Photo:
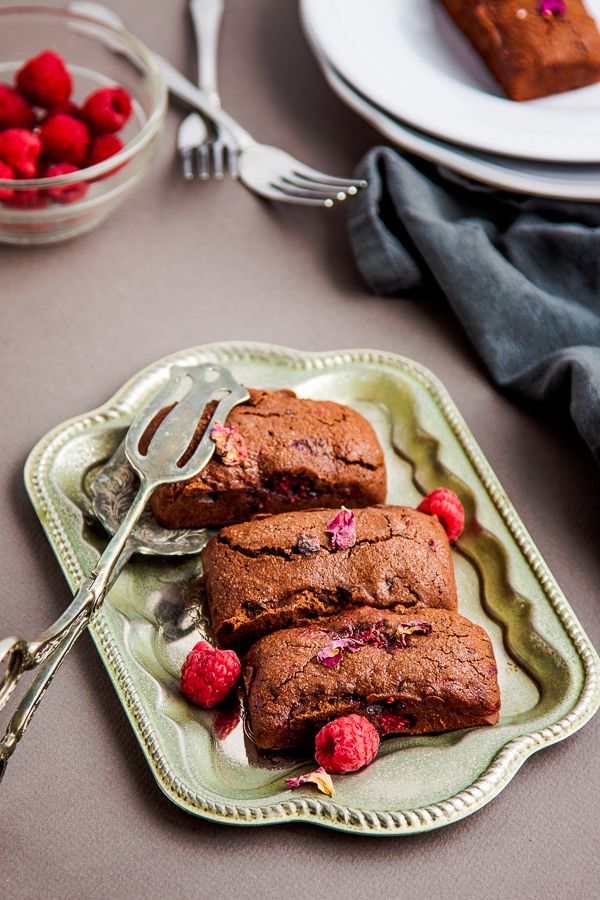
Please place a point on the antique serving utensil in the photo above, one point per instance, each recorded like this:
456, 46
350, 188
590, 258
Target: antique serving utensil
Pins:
174, 453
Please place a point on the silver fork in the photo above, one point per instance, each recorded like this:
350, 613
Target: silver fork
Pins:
268, 171
194, 141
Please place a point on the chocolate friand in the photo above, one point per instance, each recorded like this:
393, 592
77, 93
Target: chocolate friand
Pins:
275, 453
278, 571
407, 673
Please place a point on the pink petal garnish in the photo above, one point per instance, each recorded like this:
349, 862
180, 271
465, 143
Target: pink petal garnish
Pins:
371, 635
320, 777
411, 628
549, 8
343, 529
333, 653
417, 628
230, 444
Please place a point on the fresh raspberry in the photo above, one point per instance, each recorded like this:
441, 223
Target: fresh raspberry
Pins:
68, 107
101, 147
107, 109
209, 675
15, 111
30, 198
446, 505
44, 79
8, 173
20, 149
66, 193
65, 139
346, 744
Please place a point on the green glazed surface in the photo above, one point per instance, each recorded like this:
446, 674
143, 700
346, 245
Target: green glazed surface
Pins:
548, 670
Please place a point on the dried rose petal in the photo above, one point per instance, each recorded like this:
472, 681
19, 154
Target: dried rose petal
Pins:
307, 544
332, 654
230, 444
320, 777
549, 8
417, 628
411, 628
343, 529
371, 635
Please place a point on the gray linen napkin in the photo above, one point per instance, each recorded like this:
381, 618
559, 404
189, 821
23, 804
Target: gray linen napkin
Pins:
521, 274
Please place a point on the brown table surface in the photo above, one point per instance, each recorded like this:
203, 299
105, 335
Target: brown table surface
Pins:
80, 815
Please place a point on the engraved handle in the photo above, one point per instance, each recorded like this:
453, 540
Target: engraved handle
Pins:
51, 648
14, 660
38, 687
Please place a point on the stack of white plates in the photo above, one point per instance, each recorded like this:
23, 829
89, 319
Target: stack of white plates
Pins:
406, 69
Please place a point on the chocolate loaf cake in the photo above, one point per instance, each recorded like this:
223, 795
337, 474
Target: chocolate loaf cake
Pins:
427, 671
532, 47
288, 453
284, 570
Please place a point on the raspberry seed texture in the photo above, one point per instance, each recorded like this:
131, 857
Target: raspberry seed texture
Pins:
446, 505
209, 675
346, 744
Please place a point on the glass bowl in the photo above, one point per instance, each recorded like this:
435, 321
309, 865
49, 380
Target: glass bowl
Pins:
96, 56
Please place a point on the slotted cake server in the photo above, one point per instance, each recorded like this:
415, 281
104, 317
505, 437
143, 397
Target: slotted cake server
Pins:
173, 454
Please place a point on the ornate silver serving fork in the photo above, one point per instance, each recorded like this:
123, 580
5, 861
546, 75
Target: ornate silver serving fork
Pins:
172, 455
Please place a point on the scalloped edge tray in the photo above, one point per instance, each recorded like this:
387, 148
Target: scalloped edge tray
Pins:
309, 807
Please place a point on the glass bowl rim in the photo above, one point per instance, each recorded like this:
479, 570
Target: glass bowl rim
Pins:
158, 93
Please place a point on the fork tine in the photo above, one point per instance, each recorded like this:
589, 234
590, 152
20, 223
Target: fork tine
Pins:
294, 195
231, 156
203, 158
187, 168
314, 175
350, 190
315, 187
311, 190
217, 158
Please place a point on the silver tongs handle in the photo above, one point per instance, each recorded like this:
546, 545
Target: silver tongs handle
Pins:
53, 645
38, 687
18, 655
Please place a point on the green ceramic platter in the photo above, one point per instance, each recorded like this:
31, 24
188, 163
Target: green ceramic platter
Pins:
205, 761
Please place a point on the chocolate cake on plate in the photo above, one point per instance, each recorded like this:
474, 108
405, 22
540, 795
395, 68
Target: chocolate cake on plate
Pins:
278, 452
420, 672
278, 571
532, 47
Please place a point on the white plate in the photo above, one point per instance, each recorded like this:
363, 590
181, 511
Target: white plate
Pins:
407, 57
538, 179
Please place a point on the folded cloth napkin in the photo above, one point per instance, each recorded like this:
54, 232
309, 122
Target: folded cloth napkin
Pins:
521, 274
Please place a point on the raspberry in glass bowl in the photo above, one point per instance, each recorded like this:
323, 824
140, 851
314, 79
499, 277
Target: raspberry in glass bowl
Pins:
81, 109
